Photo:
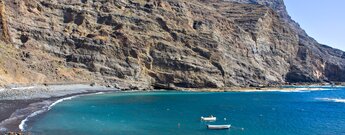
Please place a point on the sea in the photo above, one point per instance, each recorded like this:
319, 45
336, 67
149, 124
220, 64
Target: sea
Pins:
302, 112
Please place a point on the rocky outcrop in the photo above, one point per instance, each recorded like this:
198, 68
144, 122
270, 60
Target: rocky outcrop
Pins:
313, 59
169, 44
4, 34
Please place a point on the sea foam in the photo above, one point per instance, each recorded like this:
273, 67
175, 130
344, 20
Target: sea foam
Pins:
22, 123
277, 91
47, 108
338, 100
23, 88
44, 109
59, 101
302, 90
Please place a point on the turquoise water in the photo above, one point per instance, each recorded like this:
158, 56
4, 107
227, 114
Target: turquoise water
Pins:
178, 113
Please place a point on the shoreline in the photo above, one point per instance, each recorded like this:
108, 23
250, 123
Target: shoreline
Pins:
286, 88
49, 105
17, 104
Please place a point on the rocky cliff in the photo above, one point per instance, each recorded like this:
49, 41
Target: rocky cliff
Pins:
143, 44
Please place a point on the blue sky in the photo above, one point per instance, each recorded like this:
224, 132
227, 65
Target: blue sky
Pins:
323, 20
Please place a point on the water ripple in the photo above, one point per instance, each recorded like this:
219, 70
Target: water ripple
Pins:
338, 100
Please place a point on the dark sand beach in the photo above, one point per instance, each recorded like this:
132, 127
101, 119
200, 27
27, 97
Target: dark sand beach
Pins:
18, 103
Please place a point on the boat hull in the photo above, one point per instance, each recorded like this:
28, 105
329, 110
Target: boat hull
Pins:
218, 127
208, 118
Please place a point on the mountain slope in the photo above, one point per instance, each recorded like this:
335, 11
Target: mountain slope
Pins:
164, 43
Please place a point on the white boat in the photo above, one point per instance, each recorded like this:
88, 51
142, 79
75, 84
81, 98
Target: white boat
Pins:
210, 118
218, 127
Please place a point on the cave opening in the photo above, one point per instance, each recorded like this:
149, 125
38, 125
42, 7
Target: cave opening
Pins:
24, 38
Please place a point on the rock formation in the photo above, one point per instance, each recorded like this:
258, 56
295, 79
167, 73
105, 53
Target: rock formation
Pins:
143, 44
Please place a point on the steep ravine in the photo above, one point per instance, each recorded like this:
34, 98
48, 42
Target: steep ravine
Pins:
143, 44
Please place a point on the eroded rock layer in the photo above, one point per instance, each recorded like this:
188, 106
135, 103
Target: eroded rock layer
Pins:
143, 44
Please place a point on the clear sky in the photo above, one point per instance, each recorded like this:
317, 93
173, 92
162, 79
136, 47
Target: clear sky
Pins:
324, 20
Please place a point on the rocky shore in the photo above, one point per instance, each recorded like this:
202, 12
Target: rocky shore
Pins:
17, 103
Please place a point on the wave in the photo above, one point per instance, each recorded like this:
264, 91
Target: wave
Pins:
276, 91
292, 90
59, 101
44, 109
48, 107
338, 100
22, 123
23, 88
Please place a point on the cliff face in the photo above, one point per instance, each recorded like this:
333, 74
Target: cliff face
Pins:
161, 44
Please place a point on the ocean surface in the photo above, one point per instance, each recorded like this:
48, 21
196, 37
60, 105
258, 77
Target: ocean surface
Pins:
178, 113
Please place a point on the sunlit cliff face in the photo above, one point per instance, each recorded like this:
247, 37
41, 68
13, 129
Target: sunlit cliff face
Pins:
162, 44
